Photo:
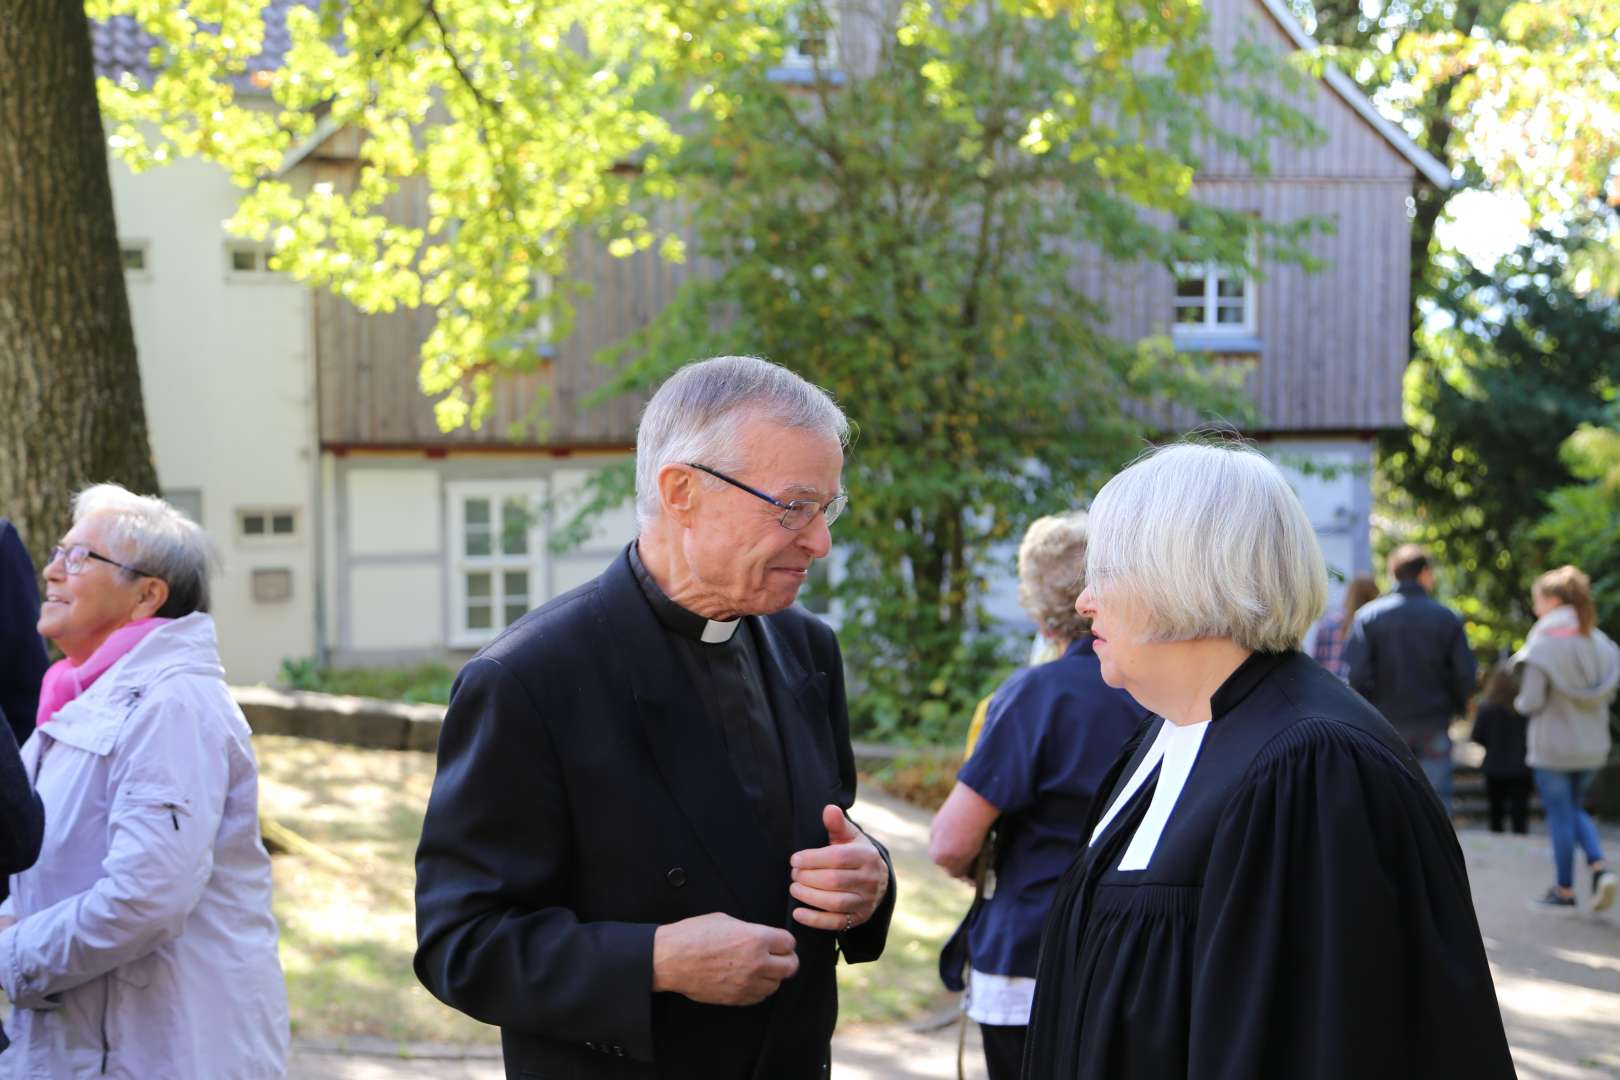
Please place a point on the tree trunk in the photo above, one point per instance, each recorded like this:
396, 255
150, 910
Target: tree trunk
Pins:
70, 391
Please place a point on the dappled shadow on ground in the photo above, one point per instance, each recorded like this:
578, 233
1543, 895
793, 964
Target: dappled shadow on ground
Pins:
348, 929
1557, 972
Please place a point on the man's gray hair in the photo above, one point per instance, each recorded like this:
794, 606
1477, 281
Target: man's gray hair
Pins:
695, 416
1212, 543
156, 539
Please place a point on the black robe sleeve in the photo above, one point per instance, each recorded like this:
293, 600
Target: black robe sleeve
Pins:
1336, 934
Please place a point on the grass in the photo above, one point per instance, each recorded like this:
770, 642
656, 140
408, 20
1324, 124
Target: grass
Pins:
420, 683
347, 937
348, 934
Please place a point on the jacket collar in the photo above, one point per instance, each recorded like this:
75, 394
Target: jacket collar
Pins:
91, 722
689, 754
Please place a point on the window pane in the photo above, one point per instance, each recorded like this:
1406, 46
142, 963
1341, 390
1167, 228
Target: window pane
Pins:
480, 617
244, 260
476, 512
1228, 315
479, 544
1190, 287
478, 585
134, 258
516, 585
253, 525
514, 527
514, 612
1193, 314
1231, 287
281, 524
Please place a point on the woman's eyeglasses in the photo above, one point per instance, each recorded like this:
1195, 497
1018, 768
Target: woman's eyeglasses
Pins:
74, 557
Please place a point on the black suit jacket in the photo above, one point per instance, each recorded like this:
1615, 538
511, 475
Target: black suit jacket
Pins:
22, 653
582, 800
1408, 654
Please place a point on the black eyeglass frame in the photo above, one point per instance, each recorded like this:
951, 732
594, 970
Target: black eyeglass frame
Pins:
66, 553
832, 509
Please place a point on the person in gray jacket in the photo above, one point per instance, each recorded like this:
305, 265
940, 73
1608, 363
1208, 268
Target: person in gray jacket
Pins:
1409, 656
1569, 671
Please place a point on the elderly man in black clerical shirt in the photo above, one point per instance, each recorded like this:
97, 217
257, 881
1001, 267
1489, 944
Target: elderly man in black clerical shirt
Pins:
636, 860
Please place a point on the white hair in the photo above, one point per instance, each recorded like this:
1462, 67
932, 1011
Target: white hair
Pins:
1212, 543
156, 539
695, 415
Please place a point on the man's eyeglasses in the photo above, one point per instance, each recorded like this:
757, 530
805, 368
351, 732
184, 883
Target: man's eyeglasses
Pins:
796, 514
73, 560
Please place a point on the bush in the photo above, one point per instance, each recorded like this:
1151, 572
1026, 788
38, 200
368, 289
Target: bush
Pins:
921, 777
426, 682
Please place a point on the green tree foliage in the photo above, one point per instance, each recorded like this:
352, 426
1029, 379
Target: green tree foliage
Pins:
1516, 96
904, 230
516, 117
1582, 524
902, 227
1536, 104
1513, 364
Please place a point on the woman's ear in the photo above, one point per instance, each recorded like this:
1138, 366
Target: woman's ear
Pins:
153, 594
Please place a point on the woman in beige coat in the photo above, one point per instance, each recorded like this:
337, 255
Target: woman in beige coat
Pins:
1568, 672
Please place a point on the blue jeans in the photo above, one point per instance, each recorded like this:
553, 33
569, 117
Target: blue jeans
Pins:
1433, 752
1569, 825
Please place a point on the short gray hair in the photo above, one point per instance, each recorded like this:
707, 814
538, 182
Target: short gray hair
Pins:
1052, 574
695, 415
1213, 543
155, 538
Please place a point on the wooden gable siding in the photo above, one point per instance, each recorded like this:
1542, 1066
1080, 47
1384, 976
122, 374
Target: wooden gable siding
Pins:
1334, 343
368, 364
1351, 148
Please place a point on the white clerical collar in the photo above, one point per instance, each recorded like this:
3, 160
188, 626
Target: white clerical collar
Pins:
1174, 751
716, 632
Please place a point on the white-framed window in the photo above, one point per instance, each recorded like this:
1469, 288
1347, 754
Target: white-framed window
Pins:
276, 524
497, 556
1212, 299
539, 335
135, 255
247, 261
811, 32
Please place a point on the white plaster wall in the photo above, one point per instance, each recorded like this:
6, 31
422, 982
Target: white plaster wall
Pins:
393, 511
226, 370
392, 583
396, 606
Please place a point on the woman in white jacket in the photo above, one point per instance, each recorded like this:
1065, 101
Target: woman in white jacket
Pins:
143, 946
1568, 673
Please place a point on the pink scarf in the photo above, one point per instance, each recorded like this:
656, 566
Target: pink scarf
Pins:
64, 681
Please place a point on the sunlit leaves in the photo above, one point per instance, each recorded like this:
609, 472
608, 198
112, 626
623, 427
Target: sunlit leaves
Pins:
509, 120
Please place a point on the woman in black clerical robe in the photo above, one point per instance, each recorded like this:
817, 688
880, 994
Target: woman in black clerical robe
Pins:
1269, 887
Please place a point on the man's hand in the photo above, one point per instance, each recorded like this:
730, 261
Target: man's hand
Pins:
842, 884
719, 960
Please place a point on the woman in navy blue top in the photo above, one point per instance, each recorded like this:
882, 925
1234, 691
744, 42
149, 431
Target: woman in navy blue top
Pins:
1050, 735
